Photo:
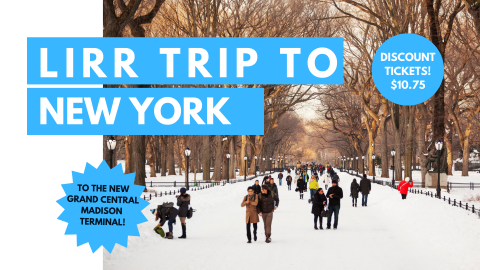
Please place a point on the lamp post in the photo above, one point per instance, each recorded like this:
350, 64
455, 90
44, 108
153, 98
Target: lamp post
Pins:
438, 146
356, 166
245, 174
270, 165
187, 154
263, 165
111, 144
255, 168
393, 163
373, 166
278, 165
363, 164
228, 167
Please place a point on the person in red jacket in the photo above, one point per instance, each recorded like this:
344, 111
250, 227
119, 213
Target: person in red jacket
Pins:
403, 187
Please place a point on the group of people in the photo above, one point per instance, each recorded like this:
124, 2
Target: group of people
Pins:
364, 187
261, 204
167, 212
263, 200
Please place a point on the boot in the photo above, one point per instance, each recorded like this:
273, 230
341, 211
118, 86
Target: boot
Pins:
268, 240
249, 234
184, 231
169, 235
255, 231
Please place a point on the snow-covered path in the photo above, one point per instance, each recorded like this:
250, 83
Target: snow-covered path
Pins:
418, 233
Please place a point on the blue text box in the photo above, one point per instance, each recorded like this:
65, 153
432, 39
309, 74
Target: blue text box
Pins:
150, 66
243, 110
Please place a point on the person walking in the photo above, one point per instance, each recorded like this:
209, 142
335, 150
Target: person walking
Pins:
305, 177
251, 202
334, 195
354, 187
272, 186
256, 187
403, 187
365, 188
266, 179
267, 203
326, 180
301, 186
318, 205
289, 182
280, 177
166, 212
313, 186
183, 201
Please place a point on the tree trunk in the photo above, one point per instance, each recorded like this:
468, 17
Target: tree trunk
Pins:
206, 157
243, 152
448, 145
217, 166
422, 117
397, 131
164, 155
233, 157
138, 159
128, 149
170, 155
384, 148
107, 153
409, 112
225, 145
151, 156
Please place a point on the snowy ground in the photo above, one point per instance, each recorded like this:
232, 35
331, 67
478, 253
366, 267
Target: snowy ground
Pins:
418, 233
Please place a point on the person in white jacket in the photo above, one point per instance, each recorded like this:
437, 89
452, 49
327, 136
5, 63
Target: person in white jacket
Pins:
326, 180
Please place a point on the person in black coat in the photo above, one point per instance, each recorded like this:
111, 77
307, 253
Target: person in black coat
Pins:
301, 186
318, 205
256, 188
354, 187
183, 201
267, 203
289, 182
166, 213
334, 195
365, 188
272, 186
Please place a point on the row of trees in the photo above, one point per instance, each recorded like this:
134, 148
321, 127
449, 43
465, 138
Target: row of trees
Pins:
365, 123
354, 119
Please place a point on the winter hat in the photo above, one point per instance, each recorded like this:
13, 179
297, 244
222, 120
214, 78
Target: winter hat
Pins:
334, 181
183, 190
153, 211
407, 179
364, 176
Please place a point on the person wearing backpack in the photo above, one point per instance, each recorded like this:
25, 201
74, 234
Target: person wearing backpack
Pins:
183, 201
280, 177
267, 203
251, 202
354, 187
318, 205
165, 212
289, 182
